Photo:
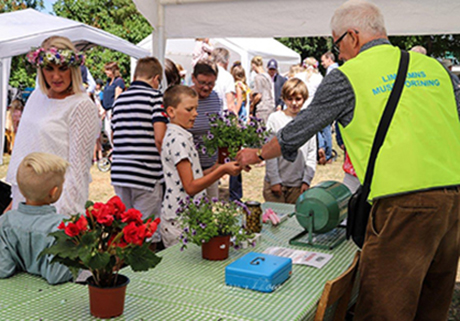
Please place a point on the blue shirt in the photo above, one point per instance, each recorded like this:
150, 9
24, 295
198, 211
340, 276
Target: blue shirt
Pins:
23, 235
109, 92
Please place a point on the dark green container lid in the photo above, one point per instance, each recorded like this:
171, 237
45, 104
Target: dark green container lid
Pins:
327, 202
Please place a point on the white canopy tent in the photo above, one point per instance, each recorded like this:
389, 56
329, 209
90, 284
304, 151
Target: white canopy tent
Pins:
286, 18
242, 49
21, 30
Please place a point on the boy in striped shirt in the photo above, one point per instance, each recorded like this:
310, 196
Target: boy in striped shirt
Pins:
138, 127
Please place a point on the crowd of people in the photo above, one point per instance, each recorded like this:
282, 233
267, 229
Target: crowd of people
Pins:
156, 164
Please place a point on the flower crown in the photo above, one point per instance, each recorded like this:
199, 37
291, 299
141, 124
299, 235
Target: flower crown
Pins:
40, 57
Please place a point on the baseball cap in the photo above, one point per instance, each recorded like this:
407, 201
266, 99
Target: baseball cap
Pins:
272, 64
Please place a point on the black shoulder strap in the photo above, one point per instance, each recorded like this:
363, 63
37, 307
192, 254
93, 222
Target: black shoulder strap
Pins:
386, 118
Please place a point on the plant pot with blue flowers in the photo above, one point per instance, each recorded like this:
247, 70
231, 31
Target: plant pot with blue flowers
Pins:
229, 133
211, 224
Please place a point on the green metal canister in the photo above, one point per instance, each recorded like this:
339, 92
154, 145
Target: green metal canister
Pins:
326, 203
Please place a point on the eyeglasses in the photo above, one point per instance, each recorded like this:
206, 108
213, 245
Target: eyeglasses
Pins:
207, 84
335, 45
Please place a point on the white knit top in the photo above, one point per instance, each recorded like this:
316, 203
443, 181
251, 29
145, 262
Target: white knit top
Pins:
64, 127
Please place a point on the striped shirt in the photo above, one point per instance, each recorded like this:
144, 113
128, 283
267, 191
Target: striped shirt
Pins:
211, 105
136, 161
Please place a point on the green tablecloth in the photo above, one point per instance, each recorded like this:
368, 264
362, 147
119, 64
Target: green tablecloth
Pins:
185, 287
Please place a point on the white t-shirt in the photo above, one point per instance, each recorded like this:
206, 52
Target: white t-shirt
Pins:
224, 84
177, 145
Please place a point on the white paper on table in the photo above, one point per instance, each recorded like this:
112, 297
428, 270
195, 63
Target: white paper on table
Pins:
314, 259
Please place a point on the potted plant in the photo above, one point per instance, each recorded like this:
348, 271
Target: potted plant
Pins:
210, 224
229, 133
103, 240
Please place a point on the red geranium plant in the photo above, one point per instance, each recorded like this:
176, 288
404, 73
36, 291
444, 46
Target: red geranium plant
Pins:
104, 239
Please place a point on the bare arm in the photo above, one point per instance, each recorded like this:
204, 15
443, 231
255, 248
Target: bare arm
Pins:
249, 156
230, 97
159, 128
239, 99
193, 186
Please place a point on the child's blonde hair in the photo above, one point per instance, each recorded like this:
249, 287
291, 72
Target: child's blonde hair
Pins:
293, 87
38, 173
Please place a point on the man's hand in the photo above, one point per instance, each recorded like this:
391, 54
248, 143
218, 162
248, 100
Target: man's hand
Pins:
276, 189
247, 156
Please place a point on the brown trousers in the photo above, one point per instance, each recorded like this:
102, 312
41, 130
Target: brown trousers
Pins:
288, 195
410, 256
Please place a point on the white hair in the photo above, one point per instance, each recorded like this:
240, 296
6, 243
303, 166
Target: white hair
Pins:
360, 15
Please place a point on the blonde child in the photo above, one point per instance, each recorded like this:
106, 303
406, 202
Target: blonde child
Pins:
242, 90
24, 232
284, 180
181, 165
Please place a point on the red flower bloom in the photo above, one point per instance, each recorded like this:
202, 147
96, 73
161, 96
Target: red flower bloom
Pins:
94, 210
121, 243
119, 207
72, 229
132, 215
61, 226
134, 234
82, 223
151, 227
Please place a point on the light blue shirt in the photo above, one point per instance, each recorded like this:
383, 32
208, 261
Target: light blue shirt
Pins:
23, 235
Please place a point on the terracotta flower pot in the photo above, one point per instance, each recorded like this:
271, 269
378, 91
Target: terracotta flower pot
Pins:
222, 154
216, 249
107, 302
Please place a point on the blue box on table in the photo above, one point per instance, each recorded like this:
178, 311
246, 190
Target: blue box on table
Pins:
258, 271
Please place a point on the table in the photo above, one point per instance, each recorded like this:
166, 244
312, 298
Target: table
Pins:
186, 287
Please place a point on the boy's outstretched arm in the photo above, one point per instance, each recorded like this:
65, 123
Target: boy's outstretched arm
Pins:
193, 186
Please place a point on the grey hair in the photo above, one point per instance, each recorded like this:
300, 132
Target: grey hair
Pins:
361, 15
220, 55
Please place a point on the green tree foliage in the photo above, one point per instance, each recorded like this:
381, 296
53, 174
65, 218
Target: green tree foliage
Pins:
14, 5
118, 17
438, 46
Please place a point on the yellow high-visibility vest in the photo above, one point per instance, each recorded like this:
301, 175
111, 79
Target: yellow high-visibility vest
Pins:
422, 146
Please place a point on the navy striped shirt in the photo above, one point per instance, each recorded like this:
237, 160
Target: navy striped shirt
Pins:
136, 161
211, 105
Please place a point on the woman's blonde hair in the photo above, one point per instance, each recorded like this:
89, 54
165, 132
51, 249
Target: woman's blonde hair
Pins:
238, 72
258, 61
75, 72
38, 173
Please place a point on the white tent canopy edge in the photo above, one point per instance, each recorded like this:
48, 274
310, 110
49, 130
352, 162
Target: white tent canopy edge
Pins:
287, 18
242, 49
21, 30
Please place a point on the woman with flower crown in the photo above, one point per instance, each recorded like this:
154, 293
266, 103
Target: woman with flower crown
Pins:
59, 118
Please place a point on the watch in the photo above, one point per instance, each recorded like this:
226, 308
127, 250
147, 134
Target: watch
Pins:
259, 154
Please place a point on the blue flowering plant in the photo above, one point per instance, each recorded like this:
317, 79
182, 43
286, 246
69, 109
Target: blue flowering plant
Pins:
229, 131
202, 219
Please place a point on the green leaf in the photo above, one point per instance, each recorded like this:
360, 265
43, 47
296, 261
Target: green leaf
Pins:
142, 258
99, 260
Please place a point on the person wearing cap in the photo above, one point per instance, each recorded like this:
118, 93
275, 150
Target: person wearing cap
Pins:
278, 82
